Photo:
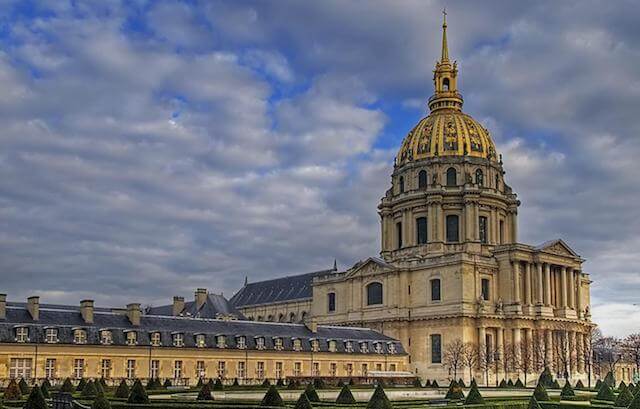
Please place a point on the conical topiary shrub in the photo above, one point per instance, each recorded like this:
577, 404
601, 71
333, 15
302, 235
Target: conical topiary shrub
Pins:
46, 383
605, 392
100, 402
417, 383
434, 384
610, 380
345, 396
280, 383
598, 384
138, 393
624, 398
291, 384
311, 393
235, 383
24, 387
198, 385
461, 383
205, 392
89, 391
303, 402
635, 403
379, 400
81, 384
510, 383
473, 382
540, 393
218, 386
555, 384
518, 383
99, 388
427, 384
503, 384
567, 391
622, 385
579, 384
67, 386
474, 397
272, 398
35, 399
167, 383
318, 383
122, 391
103, 384
12, 392
45, 390
533, 403
546, 378
454, 392
266, 383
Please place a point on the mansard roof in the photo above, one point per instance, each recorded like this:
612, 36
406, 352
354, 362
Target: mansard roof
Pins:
215, 306
291, 288
66, 320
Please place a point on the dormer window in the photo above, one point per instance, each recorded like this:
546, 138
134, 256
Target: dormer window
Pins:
22, 334
221, 341
377, 347
348, 346
364, 347
391, 347
201, 341
79, 336
278, 344
333, 346
106, 337
178, 339
242, 342
315, 345
132, 338
156, 339
260, 343
51, 335
297, 344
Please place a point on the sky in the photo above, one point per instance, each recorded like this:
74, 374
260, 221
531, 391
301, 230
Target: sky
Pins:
149, 148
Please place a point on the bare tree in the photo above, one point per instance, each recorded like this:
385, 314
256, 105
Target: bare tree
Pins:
607, 354
540, 361
510, 359
632, 345
487, 361
453, 356
470, 358
562, 352
591, 337
525, 363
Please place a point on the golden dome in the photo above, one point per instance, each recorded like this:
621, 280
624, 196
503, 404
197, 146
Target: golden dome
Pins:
447, 131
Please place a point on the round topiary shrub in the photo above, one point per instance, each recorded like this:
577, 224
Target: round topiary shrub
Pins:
474, 397
138, 393
345, 397
311, 393
123, 390
272, 398
12, 392
379, 400
35, 399
205, 392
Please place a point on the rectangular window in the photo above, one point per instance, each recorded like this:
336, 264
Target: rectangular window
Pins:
201, 341
221, 341
51, 335
485, 289
297, 344
131, 368
378, 366
316, 369
421, 230
177, 370
452, 228
132, 338
297, 369
501, 231
50, 368
22, 334
156, 339
105, 369
278, 344
333, 369
436, 348
482, 225
260, 370
392, 367
242, 369
315, 345
331, 301
278, 370
349, 369
222, 369
201, 372
260, 343
80, 336
178, 340
154, 371
364, 347
20, 368
78, 368
348, 346
333, 346
106, 337
365, 369
242, 342
435, 289
399, 235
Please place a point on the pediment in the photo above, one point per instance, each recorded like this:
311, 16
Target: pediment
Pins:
370, 266
558, 247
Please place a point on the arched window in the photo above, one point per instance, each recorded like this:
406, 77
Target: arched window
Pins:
292, 317
401, 184
445, 84
479, 177
452, 177
421, 230
331, 302
422, 179
374, 294
435, 289
281, 317
270, 318
452, 229
303, 316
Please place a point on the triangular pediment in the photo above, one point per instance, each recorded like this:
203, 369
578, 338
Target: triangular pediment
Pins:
370, 266
558, 247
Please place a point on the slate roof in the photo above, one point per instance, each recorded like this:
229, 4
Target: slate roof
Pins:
215, 306
291, 288
66, 319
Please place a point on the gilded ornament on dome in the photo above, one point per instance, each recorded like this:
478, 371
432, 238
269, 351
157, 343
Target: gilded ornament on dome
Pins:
450, 137
474, 137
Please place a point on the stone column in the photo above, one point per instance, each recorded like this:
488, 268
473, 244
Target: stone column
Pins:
573, 353
572, 288
468, 218
527, 284
580, 351
530, 346
500, 346
548, 348
495, 239
476, 223
547, 283
440, 222
540, 299
517, 342
516, 281
514, 227
563, 285
579, 291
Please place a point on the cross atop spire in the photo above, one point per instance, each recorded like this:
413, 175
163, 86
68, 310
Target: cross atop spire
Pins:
445, 46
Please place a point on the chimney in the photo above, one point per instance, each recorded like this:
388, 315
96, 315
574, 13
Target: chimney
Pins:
33, 305
178, 305
3, 306
201, 297
133, 313
86, 309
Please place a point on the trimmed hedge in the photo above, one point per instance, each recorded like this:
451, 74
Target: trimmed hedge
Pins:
272, 398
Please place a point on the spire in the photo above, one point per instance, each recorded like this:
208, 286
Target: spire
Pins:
445, 46
335, 264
